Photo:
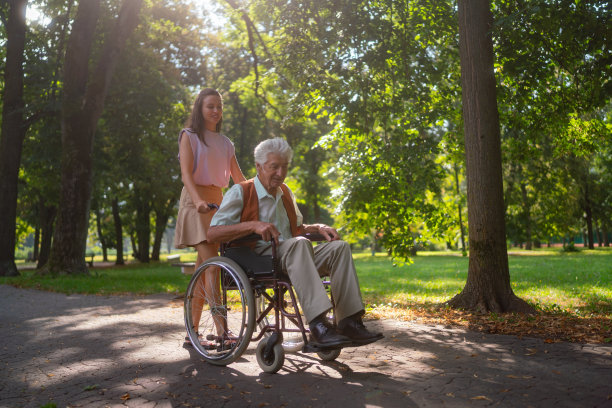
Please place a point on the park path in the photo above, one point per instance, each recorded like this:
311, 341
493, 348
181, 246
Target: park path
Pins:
98, 351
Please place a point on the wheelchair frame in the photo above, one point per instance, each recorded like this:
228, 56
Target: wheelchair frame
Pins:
251, 289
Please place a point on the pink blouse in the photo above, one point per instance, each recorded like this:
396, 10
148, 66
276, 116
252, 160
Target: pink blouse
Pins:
212, 163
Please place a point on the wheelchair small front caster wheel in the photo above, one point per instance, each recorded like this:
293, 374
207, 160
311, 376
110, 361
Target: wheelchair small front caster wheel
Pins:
328, 355
272, 358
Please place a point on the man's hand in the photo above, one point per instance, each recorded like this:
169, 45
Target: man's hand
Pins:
329, 233
267, 231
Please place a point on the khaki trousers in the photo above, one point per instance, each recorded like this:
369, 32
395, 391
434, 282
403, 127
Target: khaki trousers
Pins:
305, 265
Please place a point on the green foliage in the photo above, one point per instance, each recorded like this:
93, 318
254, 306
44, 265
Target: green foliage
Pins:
554, 95
368, 95
570, 247
370, 69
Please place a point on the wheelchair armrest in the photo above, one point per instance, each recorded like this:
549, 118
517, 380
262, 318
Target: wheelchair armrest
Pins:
244, 240
313, 236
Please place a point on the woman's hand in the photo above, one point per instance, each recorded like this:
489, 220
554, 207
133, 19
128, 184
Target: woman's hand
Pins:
204, 207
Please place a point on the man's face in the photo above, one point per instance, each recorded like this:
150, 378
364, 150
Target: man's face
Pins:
273, 172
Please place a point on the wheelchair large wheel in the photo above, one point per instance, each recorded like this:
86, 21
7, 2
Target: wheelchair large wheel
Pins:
219, 311
293, 340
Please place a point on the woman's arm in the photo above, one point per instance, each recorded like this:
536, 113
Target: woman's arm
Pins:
186, 161
237, 175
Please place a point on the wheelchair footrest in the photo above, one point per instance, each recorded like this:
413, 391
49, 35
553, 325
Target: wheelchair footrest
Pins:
312, 347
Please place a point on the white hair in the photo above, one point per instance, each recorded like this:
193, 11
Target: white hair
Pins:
277, 145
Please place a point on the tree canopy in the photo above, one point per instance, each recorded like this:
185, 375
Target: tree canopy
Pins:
367, 92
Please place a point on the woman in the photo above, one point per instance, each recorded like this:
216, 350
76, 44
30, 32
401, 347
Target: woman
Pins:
207, 160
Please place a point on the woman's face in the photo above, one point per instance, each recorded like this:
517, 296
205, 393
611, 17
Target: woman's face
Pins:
212, 110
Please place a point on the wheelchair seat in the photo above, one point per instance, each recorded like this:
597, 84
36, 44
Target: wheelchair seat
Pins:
255, 266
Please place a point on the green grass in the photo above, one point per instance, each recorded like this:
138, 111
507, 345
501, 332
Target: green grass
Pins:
141, 279
579, 282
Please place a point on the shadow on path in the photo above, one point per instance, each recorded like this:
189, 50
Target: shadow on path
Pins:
93, 351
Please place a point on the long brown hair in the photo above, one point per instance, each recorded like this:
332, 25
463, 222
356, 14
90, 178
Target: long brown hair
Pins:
196, 120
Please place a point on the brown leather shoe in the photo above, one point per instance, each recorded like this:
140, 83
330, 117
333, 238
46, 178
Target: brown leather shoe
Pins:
325, 335
354, 329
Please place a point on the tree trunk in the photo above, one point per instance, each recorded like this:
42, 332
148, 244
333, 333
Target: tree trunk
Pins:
526, 216
135, 254
36, 251
143, 226
161, 221
47, 219
599, 237
101, 235
460, 210
82, 106
13, 133
118, 232
488, 283
588, 211
162, 215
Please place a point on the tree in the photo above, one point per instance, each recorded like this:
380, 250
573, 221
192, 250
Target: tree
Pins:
554, 70
488, 283
83, 101
13, 132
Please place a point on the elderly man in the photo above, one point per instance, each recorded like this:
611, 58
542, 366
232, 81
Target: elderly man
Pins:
265, 206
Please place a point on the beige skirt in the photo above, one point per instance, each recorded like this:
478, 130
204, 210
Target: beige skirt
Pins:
191, 226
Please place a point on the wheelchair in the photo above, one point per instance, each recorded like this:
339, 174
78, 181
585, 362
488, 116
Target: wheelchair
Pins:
245, 297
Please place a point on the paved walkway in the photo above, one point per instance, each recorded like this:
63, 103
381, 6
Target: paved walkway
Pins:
98, 351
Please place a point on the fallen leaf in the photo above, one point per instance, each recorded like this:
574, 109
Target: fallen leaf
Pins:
480, 397
230, 386
125, 396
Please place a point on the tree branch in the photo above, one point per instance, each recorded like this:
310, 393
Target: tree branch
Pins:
250, 30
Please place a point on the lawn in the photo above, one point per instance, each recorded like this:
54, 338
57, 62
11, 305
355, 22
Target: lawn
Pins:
571, 291
580, 283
